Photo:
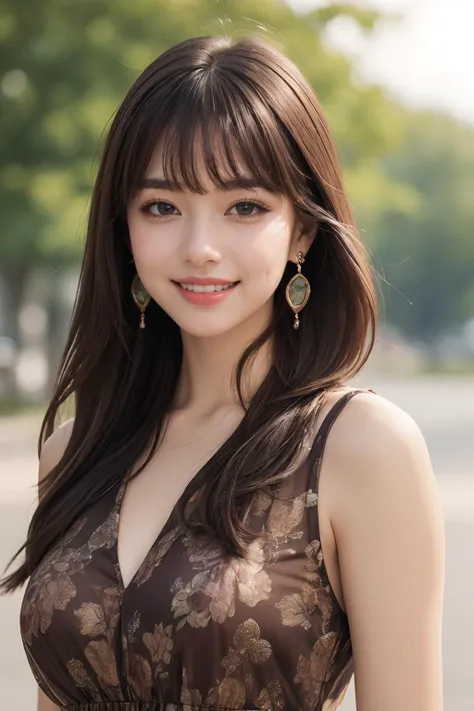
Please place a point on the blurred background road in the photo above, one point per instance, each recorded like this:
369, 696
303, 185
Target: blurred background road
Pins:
443, 408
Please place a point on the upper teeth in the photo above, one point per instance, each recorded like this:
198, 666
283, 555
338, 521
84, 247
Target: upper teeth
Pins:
205, 287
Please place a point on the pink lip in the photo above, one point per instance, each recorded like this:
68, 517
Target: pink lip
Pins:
204, 298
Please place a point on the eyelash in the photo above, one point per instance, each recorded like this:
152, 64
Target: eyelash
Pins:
145, 208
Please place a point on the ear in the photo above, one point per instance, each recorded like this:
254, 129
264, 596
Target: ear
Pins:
303, 237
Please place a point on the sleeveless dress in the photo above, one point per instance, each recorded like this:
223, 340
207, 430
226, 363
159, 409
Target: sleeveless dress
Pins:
193, 630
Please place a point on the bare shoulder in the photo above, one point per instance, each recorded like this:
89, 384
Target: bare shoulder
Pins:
54, 447
368, 410
374, 443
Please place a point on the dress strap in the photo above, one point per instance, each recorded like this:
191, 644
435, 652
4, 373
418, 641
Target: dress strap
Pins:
317, 448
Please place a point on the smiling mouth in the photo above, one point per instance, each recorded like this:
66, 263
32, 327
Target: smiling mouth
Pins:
206, 288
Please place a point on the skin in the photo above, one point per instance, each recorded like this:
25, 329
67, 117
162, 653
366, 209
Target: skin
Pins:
382, 529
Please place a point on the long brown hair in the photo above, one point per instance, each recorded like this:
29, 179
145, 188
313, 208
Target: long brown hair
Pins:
122, 378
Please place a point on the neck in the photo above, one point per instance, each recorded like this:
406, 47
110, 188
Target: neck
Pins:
207, 379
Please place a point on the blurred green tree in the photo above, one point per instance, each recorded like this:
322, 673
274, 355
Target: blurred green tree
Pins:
429, 255
65, 66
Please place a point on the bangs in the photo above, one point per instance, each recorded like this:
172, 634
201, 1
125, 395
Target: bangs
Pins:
221, 124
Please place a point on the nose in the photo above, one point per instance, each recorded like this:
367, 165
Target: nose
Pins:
200, 243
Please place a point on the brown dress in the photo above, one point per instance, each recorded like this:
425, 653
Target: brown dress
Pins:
193, 631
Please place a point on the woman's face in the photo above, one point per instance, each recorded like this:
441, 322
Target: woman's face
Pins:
211, 261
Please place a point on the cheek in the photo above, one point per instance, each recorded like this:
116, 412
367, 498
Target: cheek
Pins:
138, 236
148, 250
269, 255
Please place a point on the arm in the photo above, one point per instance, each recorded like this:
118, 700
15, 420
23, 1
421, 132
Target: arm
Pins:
51, 453
389, 531
44, 704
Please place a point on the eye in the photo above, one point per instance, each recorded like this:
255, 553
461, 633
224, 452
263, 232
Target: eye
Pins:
161, 208
246, 208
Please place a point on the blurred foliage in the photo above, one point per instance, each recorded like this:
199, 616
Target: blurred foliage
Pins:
65, 65
429, 254
17, 405
364, 16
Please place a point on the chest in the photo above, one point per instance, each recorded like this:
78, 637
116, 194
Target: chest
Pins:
149, 499
150, 637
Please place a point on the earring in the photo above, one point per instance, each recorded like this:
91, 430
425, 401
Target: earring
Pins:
297, 291
141, 297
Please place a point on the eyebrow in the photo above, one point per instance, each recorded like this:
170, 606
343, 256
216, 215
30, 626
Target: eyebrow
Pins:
234, 184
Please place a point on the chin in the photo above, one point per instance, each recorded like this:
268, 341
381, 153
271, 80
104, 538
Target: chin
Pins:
206, 328
212, 324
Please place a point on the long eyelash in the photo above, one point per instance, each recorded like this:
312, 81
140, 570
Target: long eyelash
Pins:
263, 208
146, 206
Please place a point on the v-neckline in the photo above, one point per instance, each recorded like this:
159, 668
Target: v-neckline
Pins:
121, 494
162, 532
164, 529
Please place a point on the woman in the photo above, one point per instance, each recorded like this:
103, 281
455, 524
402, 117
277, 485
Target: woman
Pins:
183, 554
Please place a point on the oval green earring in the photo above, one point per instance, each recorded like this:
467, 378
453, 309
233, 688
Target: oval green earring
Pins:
141, 298
297, 291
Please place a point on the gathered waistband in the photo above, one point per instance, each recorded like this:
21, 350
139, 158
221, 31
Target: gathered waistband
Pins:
123, 706
144, 706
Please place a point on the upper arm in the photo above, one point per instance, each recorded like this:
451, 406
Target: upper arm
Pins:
389, 533
51, 452
54, 447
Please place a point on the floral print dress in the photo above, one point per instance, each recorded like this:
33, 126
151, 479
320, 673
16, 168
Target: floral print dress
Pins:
194, 630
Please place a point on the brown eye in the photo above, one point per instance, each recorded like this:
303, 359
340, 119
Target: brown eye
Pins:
158, 208
246, 208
